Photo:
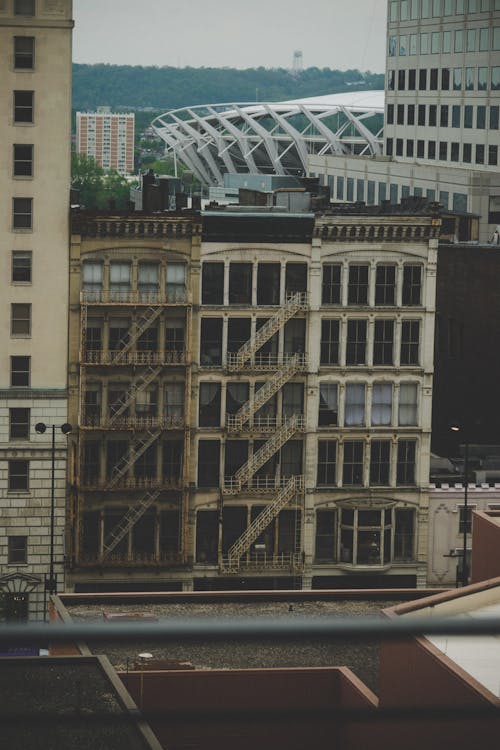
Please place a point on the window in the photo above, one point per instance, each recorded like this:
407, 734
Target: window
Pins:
385, 285
352, 470
21, 267
421, 114
119, 280
404, 534
389, 146
18, 476
23, 160
148, 280
240, 283
328, 405
24, 102
469, 79
383, 342
495, 78
420, 149
482, 79
20, 371
330, 333
356, 342
24, 7
92, 279
17, 550
481, 117
408, 395
209, 410
455, 151
494, 117
424, 44
411, 114
444, 197
296, 277
380, 461
340, 188
236, 395
410, 342
24, 52
459, 40
399, 147
467, 154
412, 79
19, 424
381, 404
409, 148
330, 289
435, 42
443, 150
327, 463
235, 456
479, 153
390, 114
22, 213
208, 463
20, 319
401, 77
212, 284
172, 461
493, 155
174, 337
446, 45
326, 542
443, 118
357, 293
392, 46
455, 116
412, 285
238, 333
432, 115
431, 150
176, 282
355, 405
405, 468
465, 518
471, 40
268, 283
433, 85
173, 401
211, 342
457, 79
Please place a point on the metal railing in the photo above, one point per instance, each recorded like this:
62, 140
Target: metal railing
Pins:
140, 358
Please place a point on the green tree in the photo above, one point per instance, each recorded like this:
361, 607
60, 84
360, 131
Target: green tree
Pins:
99, 189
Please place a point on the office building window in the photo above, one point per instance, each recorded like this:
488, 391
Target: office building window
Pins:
422, 79
399, 147
421, 114
330, 335
357, 292
20, 320
20, 371
482, 79
354, 405
382, 404
495, 78
412, 79
459, 40
383, 342
17, 550
211, 342
380, 462
21, 267
432, 115
22, 213
443, 119
393, 193
455, 116
389, 147
391, 75
24, 7
420, 149
444, 198
410, 116
24, 52
356, 342
481, 117
330, 289
403, 49
19, 424
327, 463
24, 106
23, 160
350, 189
410, 342
413, 44
352, 469
237, 394
385, 285
431, 150
208, 463
18, 479
443, 150
209, 408
268, 283
408, 394
382, 191
409, 148
401, 79
479, 153
433, 85
412, 285
119, 280
447, 43
494, 111
436, 8
435, 42
467, 153
326, 537
328, 405
496, 39
405, 467
392, 46
457, 79
240, 283
470, 74
212, 284
424, 44
455, 151
340, 188
370, 197
493, 156
470, 40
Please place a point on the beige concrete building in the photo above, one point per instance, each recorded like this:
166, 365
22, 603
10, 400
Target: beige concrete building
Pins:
254, 399
35, 126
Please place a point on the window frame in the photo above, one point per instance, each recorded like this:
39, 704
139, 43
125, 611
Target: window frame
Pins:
22, 214
23, 166
17, 551
23, 59
18, 255
23, 113
20, 320
18, 475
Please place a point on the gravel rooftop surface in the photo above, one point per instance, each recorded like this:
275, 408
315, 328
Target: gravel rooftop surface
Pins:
361, 656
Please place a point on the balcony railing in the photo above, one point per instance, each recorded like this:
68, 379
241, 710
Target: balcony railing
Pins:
262, 562
265, 362
259, 485
97, 422
133, 297
140, 358
95, 482
263, 424
133, 559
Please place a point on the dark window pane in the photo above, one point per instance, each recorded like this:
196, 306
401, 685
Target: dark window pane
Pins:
240, 283
212, 284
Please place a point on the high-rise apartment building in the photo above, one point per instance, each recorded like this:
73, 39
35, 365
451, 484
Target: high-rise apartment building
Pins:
35, 126
108, 138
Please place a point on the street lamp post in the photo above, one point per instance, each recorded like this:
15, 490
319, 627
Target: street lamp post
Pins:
465, 570
41, 428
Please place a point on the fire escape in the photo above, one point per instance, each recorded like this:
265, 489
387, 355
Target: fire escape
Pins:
287, 490
146, 366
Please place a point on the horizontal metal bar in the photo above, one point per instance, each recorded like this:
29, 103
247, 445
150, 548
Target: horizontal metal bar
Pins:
253, 629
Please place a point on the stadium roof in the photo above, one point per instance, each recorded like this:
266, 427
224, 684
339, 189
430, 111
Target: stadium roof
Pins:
272, 138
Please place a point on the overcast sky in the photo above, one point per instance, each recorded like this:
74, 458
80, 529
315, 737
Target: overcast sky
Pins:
235, 33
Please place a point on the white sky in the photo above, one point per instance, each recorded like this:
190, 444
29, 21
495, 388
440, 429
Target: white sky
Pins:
233, 33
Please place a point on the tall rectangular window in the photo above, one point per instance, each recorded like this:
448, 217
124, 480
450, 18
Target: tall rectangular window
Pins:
330, 334
381, 404
119, 280
352, 469
455, 116
24, 102
325, 547
354, 405
457, 79
92, 273
209, 410
410, 342
20, 371
268, 283
408, 395
21, 266
385, 285
357, 293
211, 342
176, 282
18, 479
24, 52
24, 7
328, 405
22, 213
208, 463
240, 283
22, 160
148, 280
212, 284
19, 424
405, 468
380, 462
327, 463
356, 342
20, 319
330, 288
17, 550
383, 342
412, 285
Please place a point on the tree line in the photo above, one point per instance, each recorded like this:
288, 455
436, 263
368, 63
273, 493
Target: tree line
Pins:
159, 89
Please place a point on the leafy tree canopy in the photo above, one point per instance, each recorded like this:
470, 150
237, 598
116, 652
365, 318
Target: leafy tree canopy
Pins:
99, 189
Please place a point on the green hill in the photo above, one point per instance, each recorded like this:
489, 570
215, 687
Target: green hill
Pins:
135, 87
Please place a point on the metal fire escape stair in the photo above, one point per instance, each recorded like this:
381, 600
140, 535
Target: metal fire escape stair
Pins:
128, 521
260, 457
135, 451
296, 302
141, 324
129, 397
252, 532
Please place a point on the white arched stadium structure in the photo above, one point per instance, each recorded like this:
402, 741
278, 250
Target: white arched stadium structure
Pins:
273, 138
